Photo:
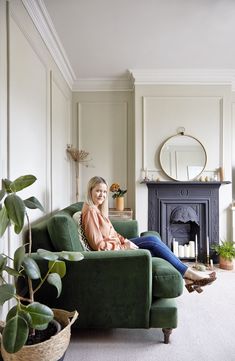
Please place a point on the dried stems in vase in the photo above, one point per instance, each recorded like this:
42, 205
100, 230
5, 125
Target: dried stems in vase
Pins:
79, 156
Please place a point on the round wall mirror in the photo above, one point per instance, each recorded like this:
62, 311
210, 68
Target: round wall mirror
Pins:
182, 157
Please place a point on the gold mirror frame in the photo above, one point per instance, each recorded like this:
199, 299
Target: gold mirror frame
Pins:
182, 157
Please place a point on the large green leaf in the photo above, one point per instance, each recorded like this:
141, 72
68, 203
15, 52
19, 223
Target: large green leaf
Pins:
22, 182
33, 203
16, 211
40, 314
12, 272
21, 312
7, 185
7, 291
55, 280
19, 256
31, 268
15, 334
71, 256
3, 262
4, 221
58, 267
2, 193
50, 256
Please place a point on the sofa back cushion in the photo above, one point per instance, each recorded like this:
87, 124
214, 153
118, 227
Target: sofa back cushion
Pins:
64, 233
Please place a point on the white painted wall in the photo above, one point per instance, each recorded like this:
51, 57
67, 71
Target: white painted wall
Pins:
35, 115
205, 113
104, 126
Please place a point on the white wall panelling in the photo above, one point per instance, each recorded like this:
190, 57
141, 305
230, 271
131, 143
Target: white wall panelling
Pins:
28, 129
105, 129
204, 112
60, 137
28, 112
174, 111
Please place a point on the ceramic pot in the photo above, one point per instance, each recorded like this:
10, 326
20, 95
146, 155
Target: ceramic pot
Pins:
225, 264
119, 203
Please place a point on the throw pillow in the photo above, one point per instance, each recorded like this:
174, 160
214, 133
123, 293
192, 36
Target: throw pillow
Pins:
78, 219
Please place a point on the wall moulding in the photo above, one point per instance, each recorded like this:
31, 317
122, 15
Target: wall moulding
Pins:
155, 109
183, 76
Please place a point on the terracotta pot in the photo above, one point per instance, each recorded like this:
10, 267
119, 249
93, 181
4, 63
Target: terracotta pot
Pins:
119, 203
225, 264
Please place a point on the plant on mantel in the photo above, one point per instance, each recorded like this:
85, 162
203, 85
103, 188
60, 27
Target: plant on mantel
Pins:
26, 315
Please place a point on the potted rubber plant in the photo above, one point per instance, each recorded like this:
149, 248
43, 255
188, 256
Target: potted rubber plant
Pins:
226, 252
27, 319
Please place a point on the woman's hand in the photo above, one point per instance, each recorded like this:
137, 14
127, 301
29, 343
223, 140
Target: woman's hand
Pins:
130, 245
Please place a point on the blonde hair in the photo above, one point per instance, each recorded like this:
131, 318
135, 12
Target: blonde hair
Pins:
93, 182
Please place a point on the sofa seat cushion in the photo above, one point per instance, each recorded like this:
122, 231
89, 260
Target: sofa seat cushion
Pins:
163, 313
167, 281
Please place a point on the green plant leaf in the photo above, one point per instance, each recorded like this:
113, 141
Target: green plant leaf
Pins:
16, 211
2, 193
41, 327
4, 221
7, 185
58, 267
33, 203
21, 312
15, 334
55, 280
50, 256
12, 272
22, 182
40, 314
3, 262
71, 256
31, 268
19, 256
7, 291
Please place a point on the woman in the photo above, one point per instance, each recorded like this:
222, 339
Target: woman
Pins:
102, 236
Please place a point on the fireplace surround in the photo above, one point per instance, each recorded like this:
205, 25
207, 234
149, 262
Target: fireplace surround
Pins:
182, 210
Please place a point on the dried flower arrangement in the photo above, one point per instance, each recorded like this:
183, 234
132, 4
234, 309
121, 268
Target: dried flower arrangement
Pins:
79, 156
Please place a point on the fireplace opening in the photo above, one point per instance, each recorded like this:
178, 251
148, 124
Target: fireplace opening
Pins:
184, 226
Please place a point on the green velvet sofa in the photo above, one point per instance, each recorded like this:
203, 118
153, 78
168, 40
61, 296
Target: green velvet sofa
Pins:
112, 289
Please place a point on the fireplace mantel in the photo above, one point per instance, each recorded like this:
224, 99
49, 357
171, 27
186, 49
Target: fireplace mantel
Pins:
202, 197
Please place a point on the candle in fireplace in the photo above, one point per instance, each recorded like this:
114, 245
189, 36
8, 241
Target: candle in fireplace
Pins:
207, 247
192, 249
196, 249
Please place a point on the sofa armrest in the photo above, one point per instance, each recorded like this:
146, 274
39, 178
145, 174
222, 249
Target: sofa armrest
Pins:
109, 289
127, 228
150, 233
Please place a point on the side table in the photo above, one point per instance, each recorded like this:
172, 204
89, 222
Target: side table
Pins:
126, 214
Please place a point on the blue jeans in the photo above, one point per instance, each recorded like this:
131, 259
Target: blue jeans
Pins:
160, 249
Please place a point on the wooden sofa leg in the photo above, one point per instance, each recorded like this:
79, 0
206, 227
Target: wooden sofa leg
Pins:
167, 332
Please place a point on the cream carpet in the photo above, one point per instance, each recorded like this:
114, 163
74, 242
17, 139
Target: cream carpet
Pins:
206, 332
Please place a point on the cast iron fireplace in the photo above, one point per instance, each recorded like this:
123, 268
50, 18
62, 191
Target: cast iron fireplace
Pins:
180, 210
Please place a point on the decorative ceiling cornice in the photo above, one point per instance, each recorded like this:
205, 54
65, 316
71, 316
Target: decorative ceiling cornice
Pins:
184, 76
102, 84
40, 17
44, 25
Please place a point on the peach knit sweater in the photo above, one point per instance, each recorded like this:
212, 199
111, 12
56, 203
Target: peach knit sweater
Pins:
100, 232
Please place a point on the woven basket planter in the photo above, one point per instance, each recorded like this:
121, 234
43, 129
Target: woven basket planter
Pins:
50, 350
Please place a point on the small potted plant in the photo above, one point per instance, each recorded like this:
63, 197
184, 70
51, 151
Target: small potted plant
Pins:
27, 318
226, 252
118, 195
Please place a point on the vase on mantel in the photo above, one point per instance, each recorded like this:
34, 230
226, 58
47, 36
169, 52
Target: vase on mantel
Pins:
119, 203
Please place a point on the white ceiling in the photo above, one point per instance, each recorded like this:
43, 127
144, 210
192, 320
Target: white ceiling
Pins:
102, 39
